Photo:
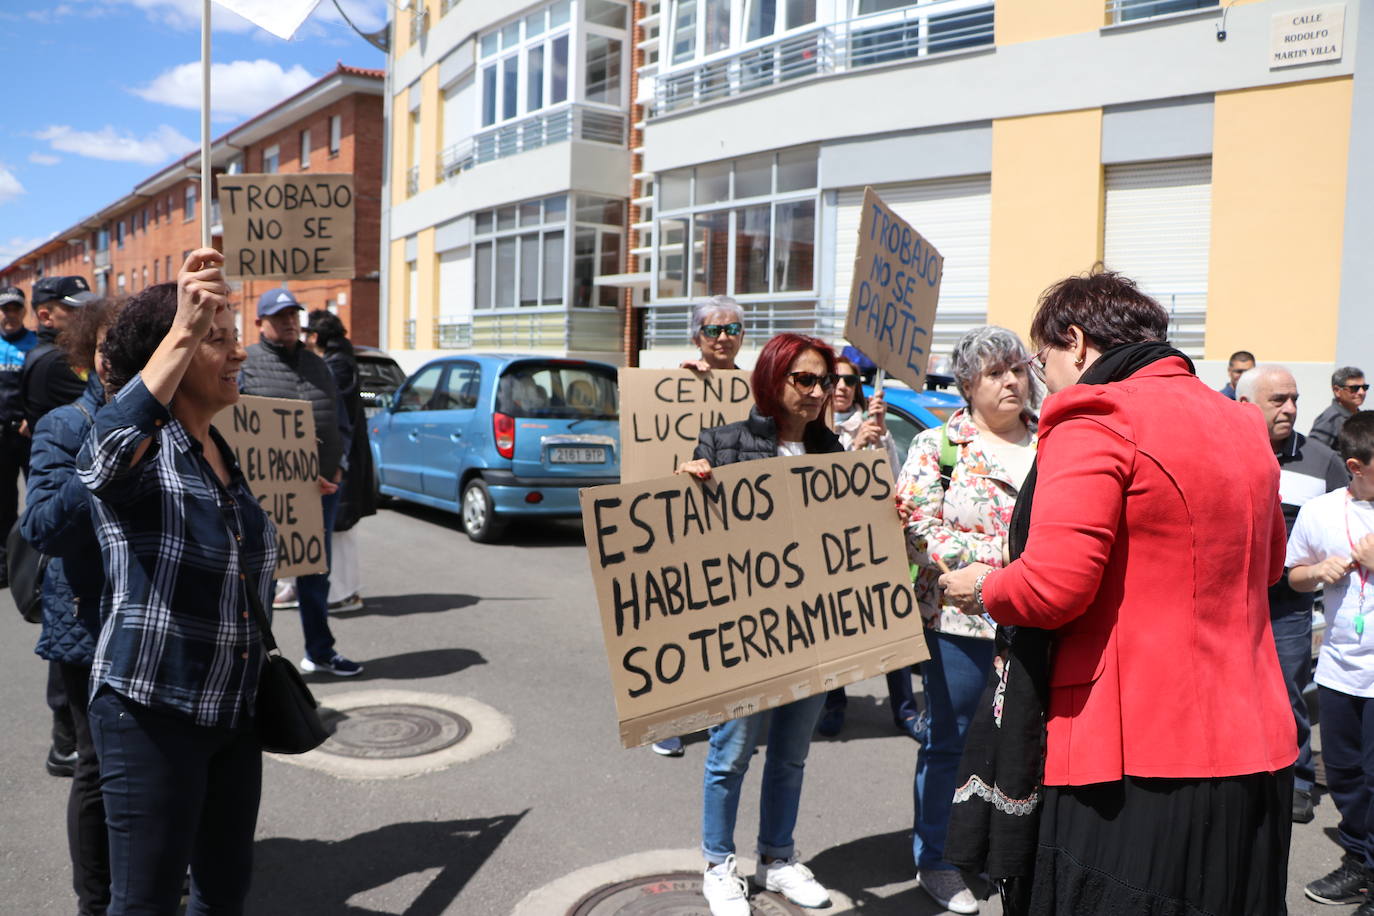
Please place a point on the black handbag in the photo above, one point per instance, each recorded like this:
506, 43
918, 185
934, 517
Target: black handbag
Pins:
26, 567
287, 719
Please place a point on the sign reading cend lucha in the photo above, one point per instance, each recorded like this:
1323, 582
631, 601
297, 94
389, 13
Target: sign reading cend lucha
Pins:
274, 444
287, 227
896, 288
663, 411
771, 581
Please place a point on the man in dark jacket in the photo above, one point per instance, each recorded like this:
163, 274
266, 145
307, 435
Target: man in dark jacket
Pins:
1348, 389
281, 366
47, 380
15, 343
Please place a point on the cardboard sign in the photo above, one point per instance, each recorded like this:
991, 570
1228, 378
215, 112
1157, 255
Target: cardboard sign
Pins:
662, 411
274, 443
896, 287
287, 227
772, 581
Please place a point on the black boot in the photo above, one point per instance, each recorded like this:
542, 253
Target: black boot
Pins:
1349, 883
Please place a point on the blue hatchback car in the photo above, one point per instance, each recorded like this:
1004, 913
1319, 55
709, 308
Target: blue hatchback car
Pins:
495, 436
909, 412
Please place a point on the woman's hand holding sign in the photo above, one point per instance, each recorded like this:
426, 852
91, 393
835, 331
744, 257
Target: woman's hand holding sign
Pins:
697, 467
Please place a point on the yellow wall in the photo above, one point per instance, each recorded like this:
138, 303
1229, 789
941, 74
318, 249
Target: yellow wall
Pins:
1031, 20
400, 146
430, 129
1046, 208
427, 308
396, 296
1279, 157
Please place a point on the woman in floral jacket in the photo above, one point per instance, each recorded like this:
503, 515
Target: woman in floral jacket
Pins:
956, 516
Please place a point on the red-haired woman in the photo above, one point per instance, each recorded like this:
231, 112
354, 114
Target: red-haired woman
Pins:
792, 382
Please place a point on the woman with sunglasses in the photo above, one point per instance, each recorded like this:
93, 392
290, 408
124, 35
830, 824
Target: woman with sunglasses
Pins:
861, 423
717, 331
957, 516
792, 382
1141, 572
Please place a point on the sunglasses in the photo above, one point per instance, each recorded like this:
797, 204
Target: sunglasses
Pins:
808, 380
1355, 389
712, 331
849, 381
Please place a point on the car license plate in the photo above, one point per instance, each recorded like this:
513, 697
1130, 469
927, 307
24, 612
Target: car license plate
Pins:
577, 455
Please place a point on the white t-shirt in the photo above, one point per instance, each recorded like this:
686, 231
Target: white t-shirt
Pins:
1346, 662
1016, 457
786, 448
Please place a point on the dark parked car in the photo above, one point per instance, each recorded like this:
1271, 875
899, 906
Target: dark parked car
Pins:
495, 436
378, 375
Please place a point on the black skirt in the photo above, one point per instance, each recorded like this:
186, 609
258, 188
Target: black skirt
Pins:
1166, 847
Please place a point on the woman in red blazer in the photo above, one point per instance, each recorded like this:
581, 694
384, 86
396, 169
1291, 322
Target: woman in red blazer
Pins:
1154, 532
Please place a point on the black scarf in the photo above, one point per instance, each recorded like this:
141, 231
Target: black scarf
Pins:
994, 824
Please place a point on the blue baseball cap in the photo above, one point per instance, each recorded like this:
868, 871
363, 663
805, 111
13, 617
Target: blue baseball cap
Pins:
276, 300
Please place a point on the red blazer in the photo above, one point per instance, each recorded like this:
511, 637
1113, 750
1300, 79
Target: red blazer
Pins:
1155, 532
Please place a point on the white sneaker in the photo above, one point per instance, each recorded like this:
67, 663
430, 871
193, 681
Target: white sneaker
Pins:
725, 891
947, 886
353, 602
793, 880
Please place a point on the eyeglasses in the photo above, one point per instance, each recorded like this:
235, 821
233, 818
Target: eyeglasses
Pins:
1355, 389
849, 381
1036, 363
805, 381
712, 331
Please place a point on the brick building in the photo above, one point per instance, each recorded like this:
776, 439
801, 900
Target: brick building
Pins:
333, 125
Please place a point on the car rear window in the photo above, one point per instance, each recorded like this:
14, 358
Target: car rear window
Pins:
558, 390
380, 375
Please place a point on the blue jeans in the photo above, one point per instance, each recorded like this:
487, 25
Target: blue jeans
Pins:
953, 679
175, 793
732, 744
1293, 639
1348, 753
312, 592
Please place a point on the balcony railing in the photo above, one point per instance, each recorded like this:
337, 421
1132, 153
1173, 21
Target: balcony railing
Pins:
412, 181
419, 25
410, 334
1134, 10
865, 41
451, 334
572, 122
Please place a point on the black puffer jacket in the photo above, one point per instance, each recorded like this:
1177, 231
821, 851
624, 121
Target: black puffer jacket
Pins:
273, 371
359, 495
757, 437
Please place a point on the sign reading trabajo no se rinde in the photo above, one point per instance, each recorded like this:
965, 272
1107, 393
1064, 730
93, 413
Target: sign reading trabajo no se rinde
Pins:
287, 227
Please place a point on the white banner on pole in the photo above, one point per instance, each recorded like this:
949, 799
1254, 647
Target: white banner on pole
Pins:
280, 17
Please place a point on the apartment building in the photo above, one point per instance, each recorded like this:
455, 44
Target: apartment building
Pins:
142, 238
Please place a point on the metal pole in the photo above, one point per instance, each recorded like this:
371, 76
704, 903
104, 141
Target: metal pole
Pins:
205, 123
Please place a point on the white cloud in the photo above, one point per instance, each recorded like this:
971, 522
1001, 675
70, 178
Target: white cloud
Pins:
10, 188
16, 245
44, 159
241, 87
162, 144
369, 15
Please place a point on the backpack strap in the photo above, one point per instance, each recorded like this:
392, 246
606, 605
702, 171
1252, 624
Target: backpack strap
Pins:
949, 456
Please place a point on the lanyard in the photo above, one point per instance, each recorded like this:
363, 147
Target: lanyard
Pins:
1361, 570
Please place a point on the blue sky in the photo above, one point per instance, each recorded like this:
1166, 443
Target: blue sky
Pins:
100, 94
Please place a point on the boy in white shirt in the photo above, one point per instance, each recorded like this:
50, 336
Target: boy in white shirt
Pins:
1332, 545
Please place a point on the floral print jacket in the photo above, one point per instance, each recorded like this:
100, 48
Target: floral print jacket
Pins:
966, 524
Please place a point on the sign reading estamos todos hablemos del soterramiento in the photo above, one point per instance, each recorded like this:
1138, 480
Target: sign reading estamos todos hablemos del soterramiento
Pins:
287, 227
771, 581
895, 290
663, 411
274, 443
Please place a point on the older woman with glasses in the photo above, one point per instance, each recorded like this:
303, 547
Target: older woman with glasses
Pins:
957, 490
717, 331
792, 383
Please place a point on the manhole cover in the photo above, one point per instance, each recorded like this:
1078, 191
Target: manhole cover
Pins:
392, 730
672, 894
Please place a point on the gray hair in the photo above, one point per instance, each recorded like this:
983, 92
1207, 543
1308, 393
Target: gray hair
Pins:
989, 348
714, 304
1250, 380
1341, 377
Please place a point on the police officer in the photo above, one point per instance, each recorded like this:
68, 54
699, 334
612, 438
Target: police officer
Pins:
15, 343
47, 381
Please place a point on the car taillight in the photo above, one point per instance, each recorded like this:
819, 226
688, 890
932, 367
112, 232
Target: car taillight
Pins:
503, 431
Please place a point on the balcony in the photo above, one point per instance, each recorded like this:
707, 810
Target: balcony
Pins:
571, 122
1119, 11
452, 334
914, 33
412, 181
419, 25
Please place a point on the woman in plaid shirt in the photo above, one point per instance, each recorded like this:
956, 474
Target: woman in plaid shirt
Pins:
177, 663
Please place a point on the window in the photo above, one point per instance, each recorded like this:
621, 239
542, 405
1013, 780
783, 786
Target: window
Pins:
533, 389
155, 267
707, 244
305, 148
460, 387
606, 13
603, 70
119, 233
523, 65
119, 283
335, 134
418, 394
145, 278
188, 202
271, 159
168, 271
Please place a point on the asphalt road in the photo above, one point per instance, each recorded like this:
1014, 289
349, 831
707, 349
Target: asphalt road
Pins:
513, 626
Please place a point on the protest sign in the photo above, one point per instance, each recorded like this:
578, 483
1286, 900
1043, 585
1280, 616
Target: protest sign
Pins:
895, 290
274, 443
662, 411
771, 581
287, 227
